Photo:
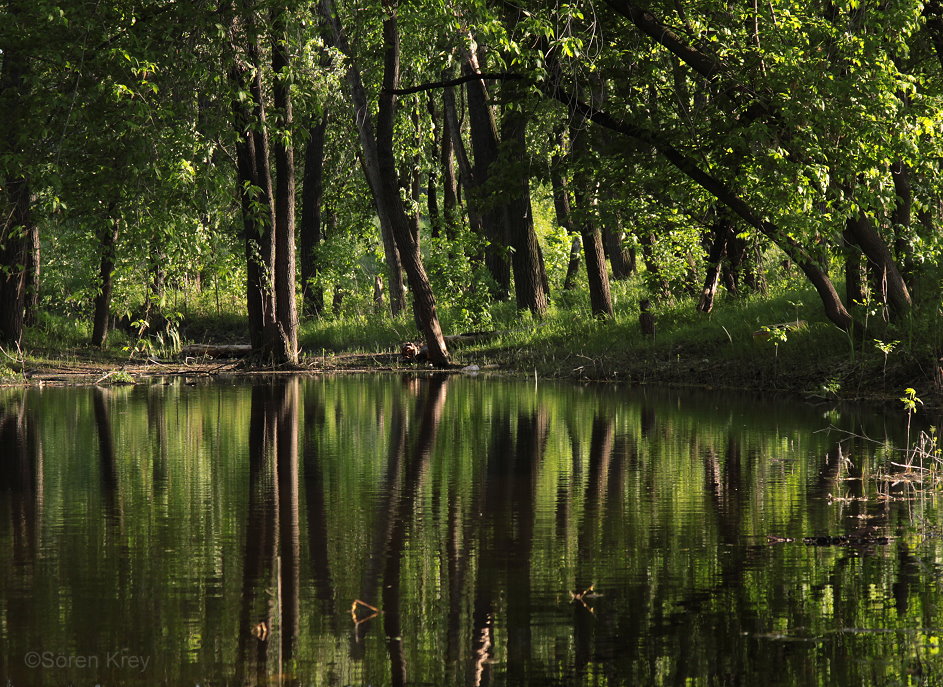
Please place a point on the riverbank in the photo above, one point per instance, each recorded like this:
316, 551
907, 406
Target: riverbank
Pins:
773, 343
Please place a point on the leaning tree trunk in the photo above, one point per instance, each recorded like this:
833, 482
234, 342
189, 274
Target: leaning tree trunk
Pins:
863, 232
285, 348
380, 165
423, 299
394, 266
834, 307
107, 239
363, 121
312, 191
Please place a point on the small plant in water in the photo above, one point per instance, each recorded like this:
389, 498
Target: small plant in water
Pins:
910, 401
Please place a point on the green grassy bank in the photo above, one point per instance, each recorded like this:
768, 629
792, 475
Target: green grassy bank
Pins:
736, 346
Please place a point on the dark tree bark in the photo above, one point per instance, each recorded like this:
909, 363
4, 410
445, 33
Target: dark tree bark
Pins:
14, 198
368, 148
14, 255
432, 196
901, 218
467, 177
394, 266
450, 217
529, 273
406, 243
600, 298
863, 232
484, 138
723, 229
285, 344
33, 268
312, 193
423, 299
621, 258
854, 292
597, 273
255, 187
107, 238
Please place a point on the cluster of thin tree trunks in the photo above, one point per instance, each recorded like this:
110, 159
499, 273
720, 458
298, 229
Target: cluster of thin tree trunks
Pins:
265, 170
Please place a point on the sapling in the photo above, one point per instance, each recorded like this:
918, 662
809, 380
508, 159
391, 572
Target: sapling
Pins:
910, 401
886, 347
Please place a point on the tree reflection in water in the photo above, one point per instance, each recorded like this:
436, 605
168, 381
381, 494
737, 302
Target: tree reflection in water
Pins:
570, 536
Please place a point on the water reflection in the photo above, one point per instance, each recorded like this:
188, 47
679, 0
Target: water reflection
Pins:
439, 530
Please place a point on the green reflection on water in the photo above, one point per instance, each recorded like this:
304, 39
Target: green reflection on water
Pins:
220, 534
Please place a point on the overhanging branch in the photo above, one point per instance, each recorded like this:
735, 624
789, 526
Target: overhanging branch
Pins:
454, 82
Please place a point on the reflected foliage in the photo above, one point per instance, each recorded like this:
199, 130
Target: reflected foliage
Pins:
505, 536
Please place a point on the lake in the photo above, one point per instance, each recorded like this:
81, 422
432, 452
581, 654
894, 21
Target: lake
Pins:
442, 530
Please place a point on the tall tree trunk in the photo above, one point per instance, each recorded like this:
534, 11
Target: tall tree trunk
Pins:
285, 349
484, 137
255, 190
620, 257
450, 216
107, 238
600, 298
529, 272
15, 195
312, 192
467, 177
597, 273
14, 256
423, 299
562, 210
380, 164
368, 147
33, 267
432, 197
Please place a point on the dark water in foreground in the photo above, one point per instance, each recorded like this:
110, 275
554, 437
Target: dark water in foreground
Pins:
219, 535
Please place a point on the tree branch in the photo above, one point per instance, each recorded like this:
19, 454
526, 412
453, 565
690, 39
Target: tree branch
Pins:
453, 82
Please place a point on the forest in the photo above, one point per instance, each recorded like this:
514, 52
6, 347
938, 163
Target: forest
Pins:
434, 168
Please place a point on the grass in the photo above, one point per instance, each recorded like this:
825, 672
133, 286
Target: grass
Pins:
727, 348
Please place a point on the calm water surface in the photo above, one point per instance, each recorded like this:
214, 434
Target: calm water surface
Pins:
386, 530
